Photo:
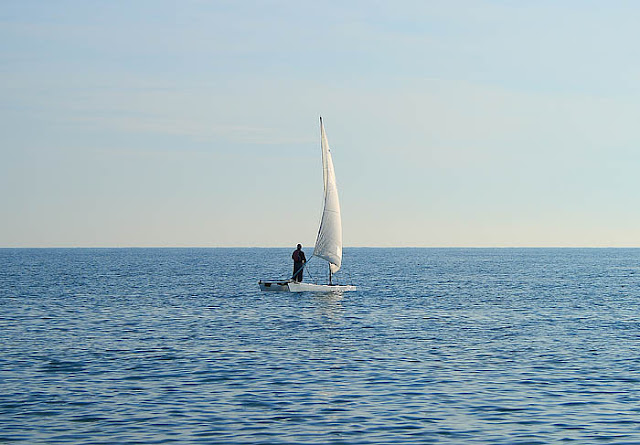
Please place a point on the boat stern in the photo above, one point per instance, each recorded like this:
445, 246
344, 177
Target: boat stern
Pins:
274, 286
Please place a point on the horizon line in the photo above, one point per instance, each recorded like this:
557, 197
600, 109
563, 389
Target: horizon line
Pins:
345, 247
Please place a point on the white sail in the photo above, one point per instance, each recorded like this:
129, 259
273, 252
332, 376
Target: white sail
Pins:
329, 241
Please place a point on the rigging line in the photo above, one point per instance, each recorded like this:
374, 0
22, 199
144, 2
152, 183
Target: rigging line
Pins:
310, 276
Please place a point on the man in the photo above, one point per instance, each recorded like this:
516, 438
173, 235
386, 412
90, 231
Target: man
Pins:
298, 263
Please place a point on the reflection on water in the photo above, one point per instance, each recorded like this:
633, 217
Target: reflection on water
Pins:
328, 304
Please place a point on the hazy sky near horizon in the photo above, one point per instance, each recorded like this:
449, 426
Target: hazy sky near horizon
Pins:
195, 123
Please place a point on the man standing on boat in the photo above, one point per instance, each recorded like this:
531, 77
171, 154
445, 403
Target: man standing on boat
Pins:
298, 263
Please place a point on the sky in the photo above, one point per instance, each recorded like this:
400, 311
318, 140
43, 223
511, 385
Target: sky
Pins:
196, 123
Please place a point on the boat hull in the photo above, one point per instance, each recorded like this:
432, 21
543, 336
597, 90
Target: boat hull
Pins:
310, 287
293, 286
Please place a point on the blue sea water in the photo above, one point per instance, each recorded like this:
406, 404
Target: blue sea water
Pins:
447, 346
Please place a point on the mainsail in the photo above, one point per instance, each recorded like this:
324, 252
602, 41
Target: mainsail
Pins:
329, 240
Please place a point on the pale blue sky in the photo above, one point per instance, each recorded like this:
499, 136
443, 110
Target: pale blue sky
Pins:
195, 123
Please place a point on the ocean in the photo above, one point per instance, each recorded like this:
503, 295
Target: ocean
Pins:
446, 346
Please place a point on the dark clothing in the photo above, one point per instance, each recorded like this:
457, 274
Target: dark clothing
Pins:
298, 256
298, 262
298, 268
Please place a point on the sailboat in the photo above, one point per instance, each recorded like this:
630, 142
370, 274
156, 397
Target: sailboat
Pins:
329, 240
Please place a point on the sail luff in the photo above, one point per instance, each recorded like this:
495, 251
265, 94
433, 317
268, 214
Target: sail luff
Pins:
329, 240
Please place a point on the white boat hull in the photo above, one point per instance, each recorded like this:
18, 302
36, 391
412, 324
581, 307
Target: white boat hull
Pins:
293, 286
